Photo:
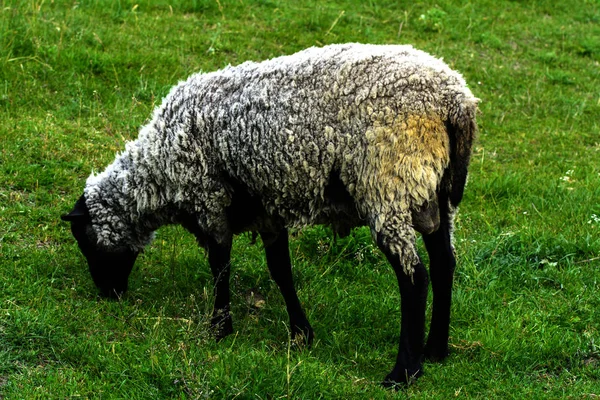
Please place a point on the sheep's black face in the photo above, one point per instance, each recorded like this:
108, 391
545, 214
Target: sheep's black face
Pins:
109, 269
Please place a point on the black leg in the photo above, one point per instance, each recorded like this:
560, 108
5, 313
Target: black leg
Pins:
442, 264
219, 258
280, 267
413, 296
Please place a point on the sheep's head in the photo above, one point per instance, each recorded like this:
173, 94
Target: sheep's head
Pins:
109, 269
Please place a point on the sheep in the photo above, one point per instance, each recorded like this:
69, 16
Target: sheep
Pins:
346, 135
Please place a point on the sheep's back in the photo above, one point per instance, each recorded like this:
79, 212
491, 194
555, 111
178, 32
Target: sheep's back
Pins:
372, 115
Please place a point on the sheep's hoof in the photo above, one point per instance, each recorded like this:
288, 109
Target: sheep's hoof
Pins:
222, 326
436, 353
302, 336
402, 377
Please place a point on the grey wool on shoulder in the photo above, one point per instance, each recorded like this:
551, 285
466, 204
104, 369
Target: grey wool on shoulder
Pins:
345, 135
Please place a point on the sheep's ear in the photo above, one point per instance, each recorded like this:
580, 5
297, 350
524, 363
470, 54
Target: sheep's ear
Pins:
79, 211
72, 216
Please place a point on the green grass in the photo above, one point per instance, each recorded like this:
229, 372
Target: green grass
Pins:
77, 79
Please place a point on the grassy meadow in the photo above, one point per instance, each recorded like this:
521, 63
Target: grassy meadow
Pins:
78, 78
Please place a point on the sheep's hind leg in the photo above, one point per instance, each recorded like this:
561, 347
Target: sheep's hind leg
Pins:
442, 265
219, 260
413, 296
280, 266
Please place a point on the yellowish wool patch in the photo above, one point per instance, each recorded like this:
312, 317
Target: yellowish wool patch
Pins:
405, 161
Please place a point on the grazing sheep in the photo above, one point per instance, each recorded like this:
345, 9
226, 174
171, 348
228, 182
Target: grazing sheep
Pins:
346, 135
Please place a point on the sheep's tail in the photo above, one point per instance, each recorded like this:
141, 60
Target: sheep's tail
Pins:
462, 131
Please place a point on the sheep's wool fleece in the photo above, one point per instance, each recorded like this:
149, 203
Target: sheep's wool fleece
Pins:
374, 114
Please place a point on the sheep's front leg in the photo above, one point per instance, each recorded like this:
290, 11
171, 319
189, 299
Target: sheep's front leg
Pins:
280, 266
413, 297
442, 264
219, 260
